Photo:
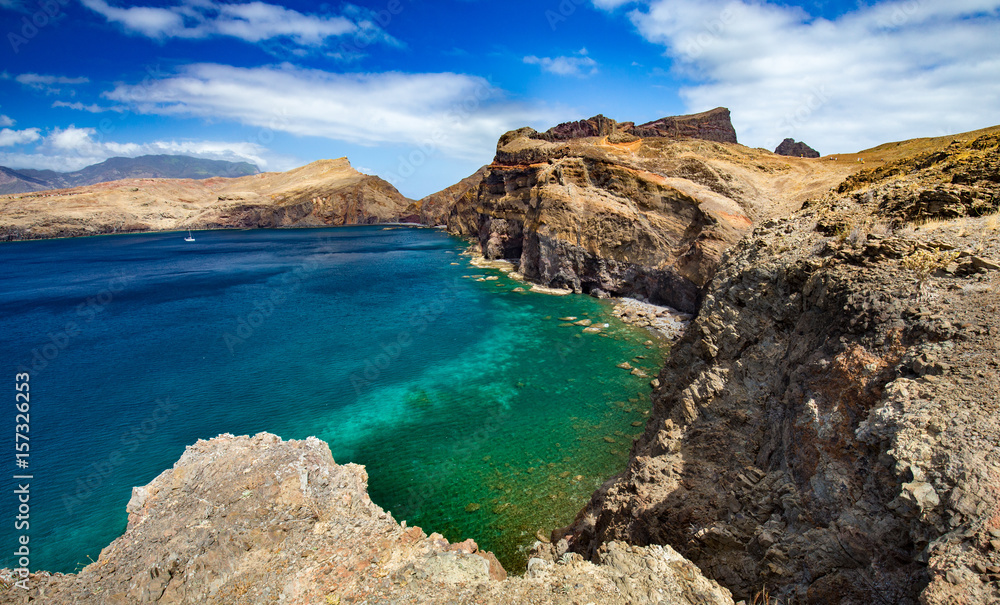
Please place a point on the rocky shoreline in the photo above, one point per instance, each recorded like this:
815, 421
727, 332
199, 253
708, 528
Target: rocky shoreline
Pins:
667, 322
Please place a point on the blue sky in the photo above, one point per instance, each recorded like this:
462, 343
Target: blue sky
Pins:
418, 92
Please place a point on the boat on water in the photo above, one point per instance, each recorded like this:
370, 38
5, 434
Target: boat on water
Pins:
189, 238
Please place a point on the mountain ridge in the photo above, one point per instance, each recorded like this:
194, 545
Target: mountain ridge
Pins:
27, 180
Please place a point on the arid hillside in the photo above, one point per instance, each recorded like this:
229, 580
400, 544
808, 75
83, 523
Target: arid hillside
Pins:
324, 193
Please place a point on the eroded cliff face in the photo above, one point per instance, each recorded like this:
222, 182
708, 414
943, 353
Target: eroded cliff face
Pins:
828, 426
324, 193
250, 520
590, 206
434, 209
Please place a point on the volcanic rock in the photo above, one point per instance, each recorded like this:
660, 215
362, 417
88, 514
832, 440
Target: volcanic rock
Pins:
648, 218
795, 149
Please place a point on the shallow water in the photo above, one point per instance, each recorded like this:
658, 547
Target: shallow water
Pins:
476, 411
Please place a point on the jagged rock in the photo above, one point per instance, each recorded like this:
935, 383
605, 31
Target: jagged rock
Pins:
791, 147
261, 520
714, 125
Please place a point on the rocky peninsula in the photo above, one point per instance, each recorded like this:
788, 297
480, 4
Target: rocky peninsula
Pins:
826, 431
643, 211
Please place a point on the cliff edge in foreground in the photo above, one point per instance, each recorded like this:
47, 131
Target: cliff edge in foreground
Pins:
829, 426
251, 520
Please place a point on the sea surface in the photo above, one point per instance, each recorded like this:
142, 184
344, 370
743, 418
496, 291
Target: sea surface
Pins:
477, 411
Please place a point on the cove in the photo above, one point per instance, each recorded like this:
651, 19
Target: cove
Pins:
479, 412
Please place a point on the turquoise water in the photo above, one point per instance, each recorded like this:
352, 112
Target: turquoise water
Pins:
476, 410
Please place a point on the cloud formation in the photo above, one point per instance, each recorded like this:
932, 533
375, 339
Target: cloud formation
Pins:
580, 65
10, 137
252, 22
456, 114
891, 71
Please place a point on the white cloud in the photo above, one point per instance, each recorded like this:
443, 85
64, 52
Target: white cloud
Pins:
72, 148
456, 114
10, 137
92, 108
49, 84
6, 120
891, 71
580, 65
252, 22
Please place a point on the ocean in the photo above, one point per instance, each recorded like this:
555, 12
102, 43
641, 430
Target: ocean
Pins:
478, 411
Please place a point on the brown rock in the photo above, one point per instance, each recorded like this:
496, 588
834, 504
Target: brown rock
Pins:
795, 149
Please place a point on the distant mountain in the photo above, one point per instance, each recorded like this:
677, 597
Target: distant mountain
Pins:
12, 181
115, 169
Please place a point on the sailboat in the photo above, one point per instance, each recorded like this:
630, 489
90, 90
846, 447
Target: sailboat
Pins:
189, 238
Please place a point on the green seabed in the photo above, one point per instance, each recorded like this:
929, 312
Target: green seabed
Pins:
513, 437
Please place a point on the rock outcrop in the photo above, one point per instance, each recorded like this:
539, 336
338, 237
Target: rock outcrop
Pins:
324, 193
796, 149
241, 520
647, 214
714, 125
828, 425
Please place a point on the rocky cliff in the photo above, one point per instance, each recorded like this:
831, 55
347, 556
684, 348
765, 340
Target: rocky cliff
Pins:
642, 211
714, 125
795, 149
828, 426
324, 193
241, 520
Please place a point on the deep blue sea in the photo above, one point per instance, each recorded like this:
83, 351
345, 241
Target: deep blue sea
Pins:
477, 411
